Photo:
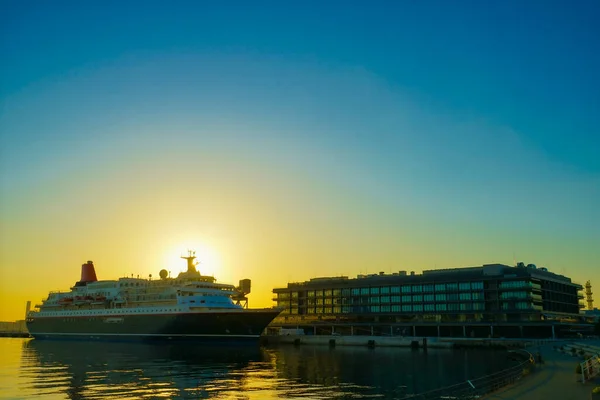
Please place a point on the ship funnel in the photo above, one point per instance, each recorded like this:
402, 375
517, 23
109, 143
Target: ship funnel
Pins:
88, 273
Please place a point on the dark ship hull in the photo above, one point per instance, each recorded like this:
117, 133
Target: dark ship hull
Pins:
220, 326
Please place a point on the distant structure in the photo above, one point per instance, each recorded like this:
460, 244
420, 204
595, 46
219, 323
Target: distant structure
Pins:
588, 295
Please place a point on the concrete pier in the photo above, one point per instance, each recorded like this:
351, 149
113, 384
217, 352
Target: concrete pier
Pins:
394, 341
555, 378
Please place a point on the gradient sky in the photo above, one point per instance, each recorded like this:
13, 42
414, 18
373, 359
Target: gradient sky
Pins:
288, 140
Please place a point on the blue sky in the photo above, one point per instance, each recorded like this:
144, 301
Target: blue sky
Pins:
529, 65
429, 133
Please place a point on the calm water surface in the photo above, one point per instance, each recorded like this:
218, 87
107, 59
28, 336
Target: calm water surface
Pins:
32, 369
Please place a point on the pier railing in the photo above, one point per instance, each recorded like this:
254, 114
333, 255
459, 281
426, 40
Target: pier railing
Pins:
478, 387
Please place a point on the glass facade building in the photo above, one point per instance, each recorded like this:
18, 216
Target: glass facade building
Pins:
492, 293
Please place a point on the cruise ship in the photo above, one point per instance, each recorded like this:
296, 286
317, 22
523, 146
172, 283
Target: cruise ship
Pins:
189, 307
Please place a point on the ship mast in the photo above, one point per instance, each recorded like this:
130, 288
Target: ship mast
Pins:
191, 265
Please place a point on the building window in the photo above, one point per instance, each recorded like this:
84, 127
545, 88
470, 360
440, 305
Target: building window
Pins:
406, 289
364, 291
464, 286
355, 291
477, 285
515, 284
374, 290
465, 307
428, 288
417, 288
385, 299
429, 307
406, 299
374, 299
385, 290
440, 287
395, 289
417, 298
514, 295
385, 308
375, 309
336, 292
465, 296
396, 308
328, 293
418, 307
428, 297
406, 308
452, 287
337, 310
440, 307
477, 296
440, 297
395, 299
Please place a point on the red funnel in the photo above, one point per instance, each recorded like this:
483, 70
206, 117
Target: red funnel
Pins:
88, 273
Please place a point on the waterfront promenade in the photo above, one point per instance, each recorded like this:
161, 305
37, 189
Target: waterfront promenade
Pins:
554, 379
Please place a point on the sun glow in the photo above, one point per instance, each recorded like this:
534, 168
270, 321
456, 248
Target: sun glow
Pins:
208, 259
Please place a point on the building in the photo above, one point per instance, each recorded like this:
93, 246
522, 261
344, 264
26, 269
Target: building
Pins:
492, 300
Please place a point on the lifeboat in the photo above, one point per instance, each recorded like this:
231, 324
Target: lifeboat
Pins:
66, 300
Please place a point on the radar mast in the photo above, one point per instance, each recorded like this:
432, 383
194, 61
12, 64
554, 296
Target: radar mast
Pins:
191, 265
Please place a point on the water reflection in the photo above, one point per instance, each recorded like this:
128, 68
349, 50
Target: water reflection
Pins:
134, 370
391, 372
80, 370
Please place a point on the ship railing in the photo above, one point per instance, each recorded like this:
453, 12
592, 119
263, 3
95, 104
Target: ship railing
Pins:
482, 386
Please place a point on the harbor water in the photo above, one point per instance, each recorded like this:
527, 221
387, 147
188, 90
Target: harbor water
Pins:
34, 369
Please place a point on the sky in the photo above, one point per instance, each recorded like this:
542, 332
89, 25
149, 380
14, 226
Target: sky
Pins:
290, 140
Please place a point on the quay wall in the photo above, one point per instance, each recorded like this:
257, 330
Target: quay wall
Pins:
394, 341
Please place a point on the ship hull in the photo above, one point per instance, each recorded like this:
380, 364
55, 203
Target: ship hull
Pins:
233, 326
